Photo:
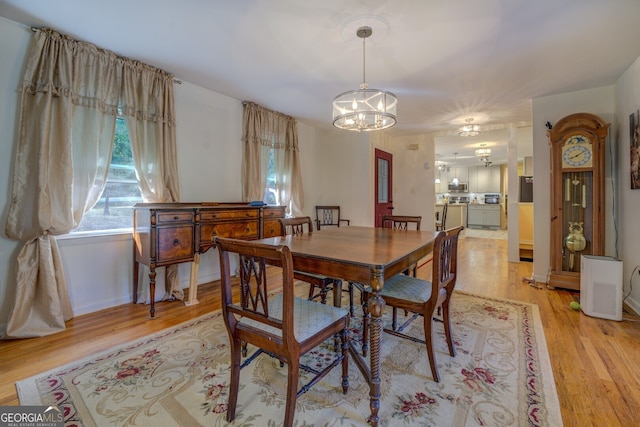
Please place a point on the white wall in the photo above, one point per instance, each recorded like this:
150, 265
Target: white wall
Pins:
627, 101
342, 174
552, 108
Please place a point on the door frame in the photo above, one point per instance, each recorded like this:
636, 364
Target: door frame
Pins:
387, 207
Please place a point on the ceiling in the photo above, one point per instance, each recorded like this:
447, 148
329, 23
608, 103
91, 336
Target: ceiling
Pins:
445, 60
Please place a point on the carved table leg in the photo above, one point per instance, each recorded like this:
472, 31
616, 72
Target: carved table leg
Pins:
376, 308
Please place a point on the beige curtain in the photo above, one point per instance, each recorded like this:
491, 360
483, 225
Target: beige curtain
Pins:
70, 97
65, 137
147, 104
264, 132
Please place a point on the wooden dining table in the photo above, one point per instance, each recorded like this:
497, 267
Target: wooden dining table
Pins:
368, 256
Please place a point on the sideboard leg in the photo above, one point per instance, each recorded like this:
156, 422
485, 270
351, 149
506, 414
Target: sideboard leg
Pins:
193, 281
152, 291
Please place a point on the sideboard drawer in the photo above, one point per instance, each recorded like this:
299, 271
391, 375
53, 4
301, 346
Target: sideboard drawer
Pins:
176, 216
175, 243
271, 228
235, 230
222, 214
273, 212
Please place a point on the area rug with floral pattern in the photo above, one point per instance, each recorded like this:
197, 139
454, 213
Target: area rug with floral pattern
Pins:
500, 376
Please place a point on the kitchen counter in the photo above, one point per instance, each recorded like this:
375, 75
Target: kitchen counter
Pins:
456, 214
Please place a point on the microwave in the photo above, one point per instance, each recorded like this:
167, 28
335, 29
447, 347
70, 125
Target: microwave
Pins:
491, 199
460, 187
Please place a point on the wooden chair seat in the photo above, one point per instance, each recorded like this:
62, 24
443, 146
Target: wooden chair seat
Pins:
310, 318
410, 289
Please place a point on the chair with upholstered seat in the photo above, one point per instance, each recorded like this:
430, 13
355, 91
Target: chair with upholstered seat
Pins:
280, 325
397, 222
441, 222
401, 222
329, 216
423, 297
296, 227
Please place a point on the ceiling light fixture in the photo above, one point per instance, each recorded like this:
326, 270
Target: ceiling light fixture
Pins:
469, 129
483, 151
364, 109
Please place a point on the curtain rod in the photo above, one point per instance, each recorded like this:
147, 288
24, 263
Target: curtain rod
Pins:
33, 29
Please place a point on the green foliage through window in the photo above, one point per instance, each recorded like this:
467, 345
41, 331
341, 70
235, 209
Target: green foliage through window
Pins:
113, 210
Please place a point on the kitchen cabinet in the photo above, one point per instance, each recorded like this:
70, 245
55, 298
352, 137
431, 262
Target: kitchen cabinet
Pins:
483, 216
488, 179
460, 172
481, 179
473, 179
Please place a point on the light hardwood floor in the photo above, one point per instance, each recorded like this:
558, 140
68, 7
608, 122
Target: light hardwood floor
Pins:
596, 362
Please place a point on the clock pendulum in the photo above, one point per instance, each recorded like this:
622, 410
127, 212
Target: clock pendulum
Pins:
575, 240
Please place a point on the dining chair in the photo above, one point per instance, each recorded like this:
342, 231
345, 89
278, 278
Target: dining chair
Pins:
397, 222
329, 216
401, 222
280, 325
424, 297
441, 223
296, 227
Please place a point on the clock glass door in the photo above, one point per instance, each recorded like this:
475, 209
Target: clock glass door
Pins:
577, 226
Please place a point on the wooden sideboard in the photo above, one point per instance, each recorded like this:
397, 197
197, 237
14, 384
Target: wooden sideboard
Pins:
171, 233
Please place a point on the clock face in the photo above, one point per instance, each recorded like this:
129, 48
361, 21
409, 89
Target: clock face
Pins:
577, 152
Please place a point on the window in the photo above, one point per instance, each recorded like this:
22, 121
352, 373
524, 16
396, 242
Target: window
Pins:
271, 194
113, 210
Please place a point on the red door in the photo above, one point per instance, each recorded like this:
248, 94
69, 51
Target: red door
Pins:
384, 199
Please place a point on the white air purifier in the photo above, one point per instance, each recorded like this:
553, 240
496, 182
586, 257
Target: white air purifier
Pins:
601, 286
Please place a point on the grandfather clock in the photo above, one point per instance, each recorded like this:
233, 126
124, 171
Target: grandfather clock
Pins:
577, 195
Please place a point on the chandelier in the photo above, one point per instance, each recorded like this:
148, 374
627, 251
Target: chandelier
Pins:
364, 109
469, 129
483, 151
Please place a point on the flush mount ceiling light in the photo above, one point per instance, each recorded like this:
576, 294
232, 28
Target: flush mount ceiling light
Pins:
469, 129
364, 109
483, 151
